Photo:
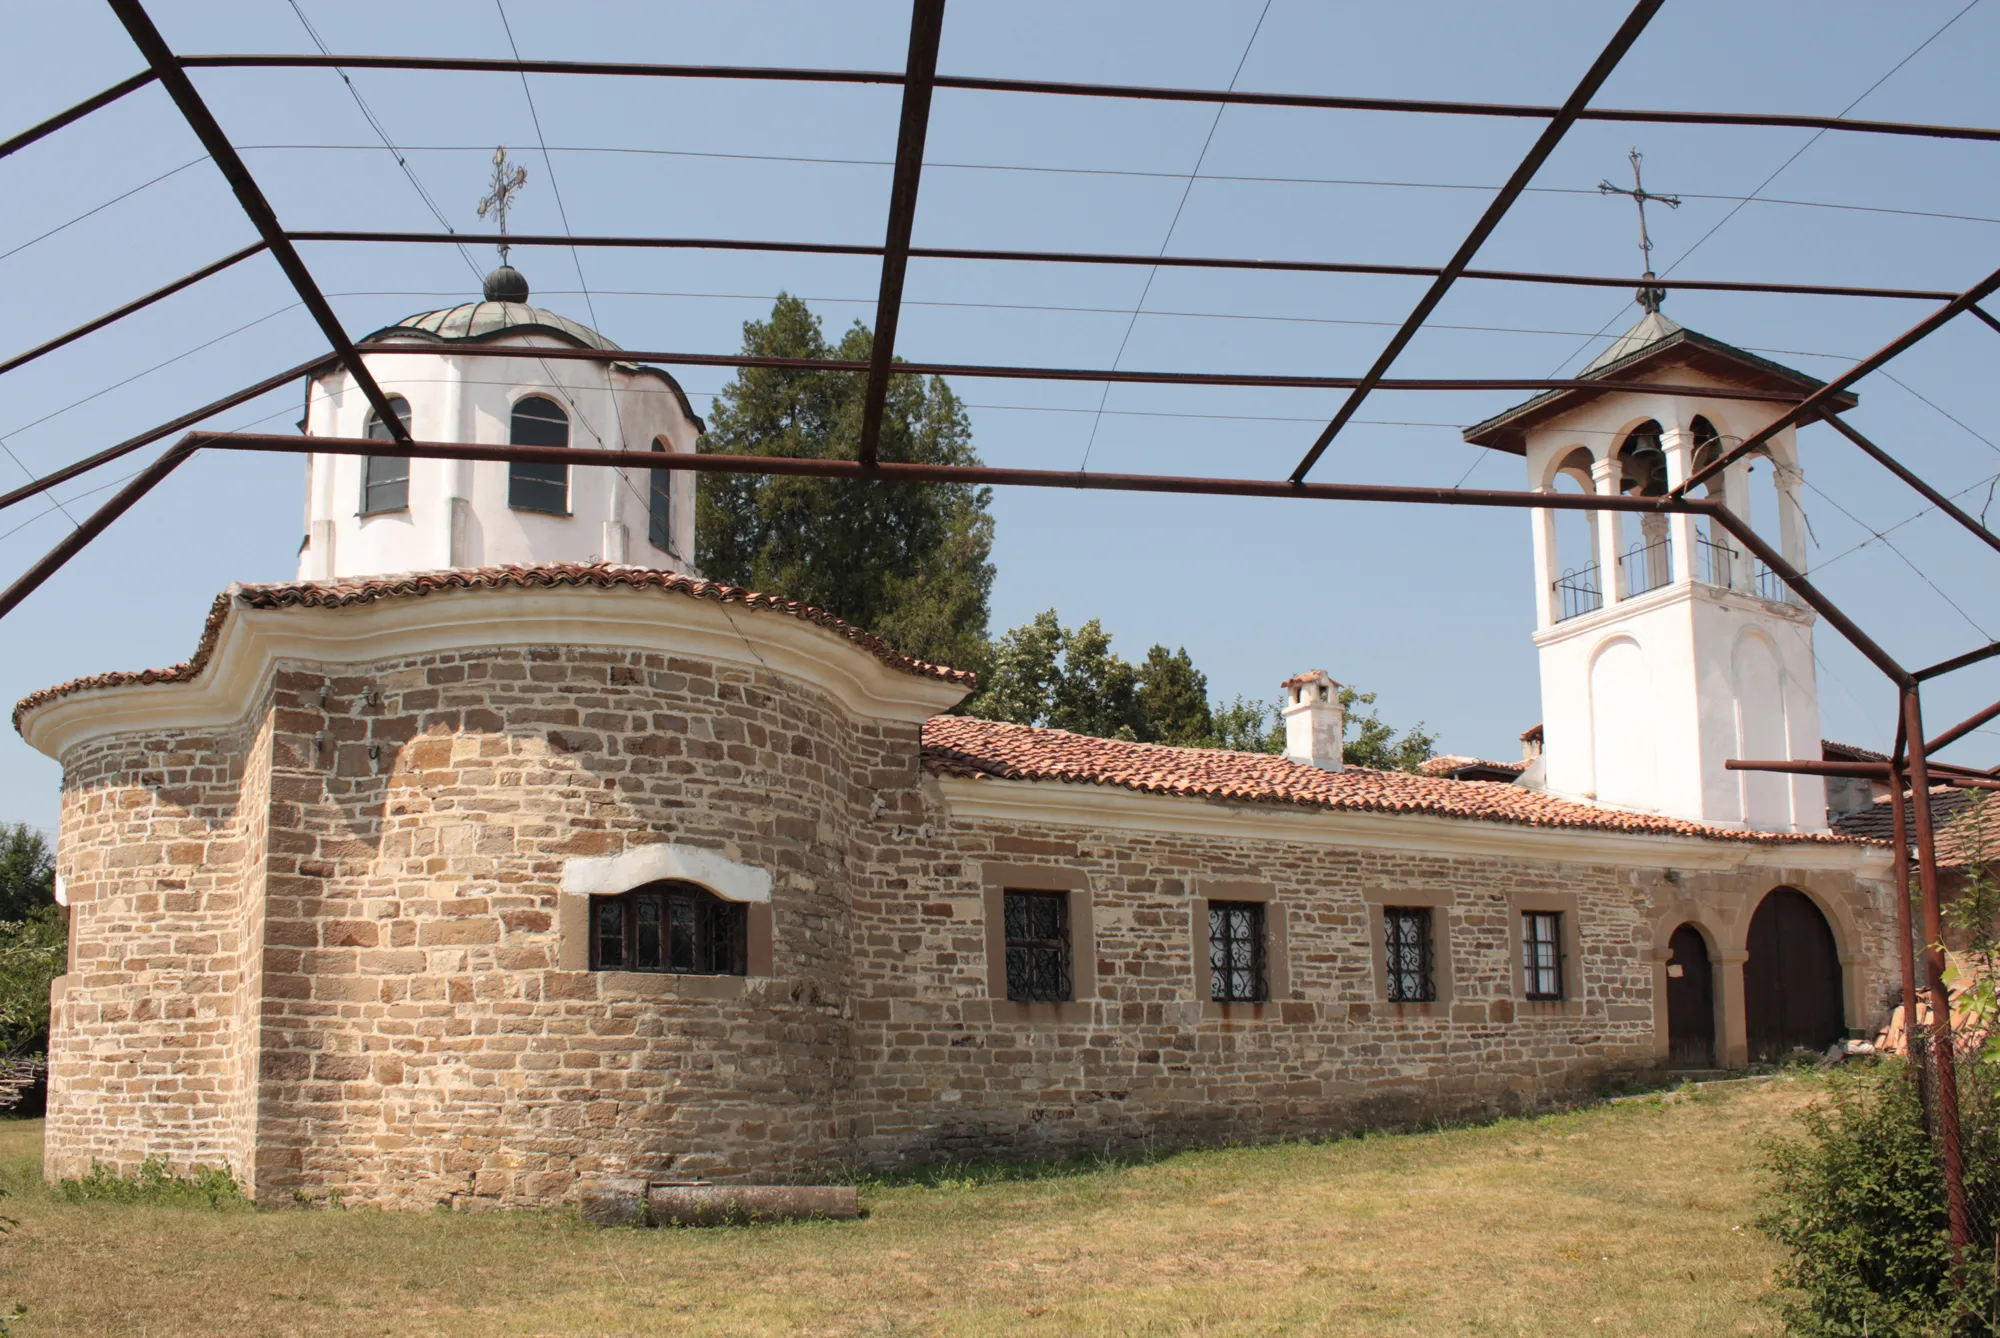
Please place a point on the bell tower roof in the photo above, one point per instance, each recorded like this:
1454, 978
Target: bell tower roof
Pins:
1651, 350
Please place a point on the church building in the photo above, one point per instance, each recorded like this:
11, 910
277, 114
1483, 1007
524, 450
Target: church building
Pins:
500, 850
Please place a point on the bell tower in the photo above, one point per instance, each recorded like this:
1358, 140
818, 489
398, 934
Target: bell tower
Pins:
1665, 647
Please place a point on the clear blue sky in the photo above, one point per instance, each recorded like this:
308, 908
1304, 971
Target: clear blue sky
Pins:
1429, 607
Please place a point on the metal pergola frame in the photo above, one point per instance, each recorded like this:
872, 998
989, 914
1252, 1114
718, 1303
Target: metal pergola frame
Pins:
1910, 770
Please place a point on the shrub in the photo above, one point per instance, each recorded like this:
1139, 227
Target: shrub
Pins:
1860, 1203
32, 953
154, 1183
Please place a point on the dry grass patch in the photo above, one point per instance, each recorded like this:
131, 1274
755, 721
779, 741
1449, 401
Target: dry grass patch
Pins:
1625, 1219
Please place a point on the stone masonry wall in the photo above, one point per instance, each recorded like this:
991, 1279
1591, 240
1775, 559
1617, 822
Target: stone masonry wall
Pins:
421, 1042
944, 1069
149, 1037
341, 965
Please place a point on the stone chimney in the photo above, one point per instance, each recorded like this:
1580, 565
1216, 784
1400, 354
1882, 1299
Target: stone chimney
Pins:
1314, 721
1531, 744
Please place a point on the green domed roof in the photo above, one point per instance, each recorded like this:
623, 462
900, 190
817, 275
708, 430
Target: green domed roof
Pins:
504, 310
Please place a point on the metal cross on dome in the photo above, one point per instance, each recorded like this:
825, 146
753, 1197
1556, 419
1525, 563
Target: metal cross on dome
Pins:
504, 186
1650, 296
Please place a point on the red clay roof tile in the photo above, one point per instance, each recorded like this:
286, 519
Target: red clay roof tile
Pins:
990, 750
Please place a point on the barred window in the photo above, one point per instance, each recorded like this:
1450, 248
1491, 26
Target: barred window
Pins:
676, 928
1038, 953
385, 479
538, 422
1408, 933
1541, 954
1236, 952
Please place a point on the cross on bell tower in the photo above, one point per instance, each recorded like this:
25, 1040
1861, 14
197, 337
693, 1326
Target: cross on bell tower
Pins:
1650, 296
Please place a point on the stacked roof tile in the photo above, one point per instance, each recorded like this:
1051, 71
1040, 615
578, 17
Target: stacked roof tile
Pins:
989, 750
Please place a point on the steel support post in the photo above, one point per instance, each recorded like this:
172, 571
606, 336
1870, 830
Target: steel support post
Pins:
1934, 960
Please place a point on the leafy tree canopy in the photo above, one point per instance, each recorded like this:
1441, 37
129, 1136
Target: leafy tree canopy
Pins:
27, 872
911, 563
1043, 673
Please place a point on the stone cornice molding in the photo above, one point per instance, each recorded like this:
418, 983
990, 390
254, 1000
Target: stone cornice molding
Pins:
1057, 804
252, 642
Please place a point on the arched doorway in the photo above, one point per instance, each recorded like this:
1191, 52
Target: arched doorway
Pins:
1791, 982
1690, 1001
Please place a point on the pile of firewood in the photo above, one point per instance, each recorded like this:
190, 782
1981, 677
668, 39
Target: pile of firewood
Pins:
24, 1086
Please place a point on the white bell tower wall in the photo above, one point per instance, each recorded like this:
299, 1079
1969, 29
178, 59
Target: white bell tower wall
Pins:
458, 513
1694, 653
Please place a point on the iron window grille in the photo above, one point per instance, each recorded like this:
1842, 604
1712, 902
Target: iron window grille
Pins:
1038, 951
1236, 971
1409, 960
1648, 567
1541, 954
674, 928
660, 506
538, 421
385, 479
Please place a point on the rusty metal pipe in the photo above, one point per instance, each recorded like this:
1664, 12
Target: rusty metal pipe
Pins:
1882, 771
1896, 467
136, 304
1231, 97
93, 525
139, 26
1496, 209
1957, 662
166, 429
926, 30
1934, 959
78, 112
1810, 593
1961, 729
1818, 401
982, 371
642, 242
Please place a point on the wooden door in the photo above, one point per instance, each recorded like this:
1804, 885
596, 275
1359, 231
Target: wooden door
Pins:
1690, 1002
1791, 982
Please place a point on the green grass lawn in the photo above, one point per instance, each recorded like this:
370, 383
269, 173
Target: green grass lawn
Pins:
1632, 1218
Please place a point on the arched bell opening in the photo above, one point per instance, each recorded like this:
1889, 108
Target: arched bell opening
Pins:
1792, 986
1644, 552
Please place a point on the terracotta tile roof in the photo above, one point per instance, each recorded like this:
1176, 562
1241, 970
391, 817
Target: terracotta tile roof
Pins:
1831, 751
603, 576
1964, 821
1450, 764
989, 750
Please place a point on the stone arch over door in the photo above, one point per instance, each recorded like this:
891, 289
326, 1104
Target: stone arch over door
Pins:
1793, 986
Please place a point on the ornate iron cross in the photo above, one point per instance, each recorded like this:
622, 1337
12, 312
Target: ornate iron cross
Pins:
1650, 297
504, 186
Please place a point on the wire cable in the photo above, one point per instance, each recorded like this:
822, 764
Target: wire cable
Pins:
1970, 5
1167, 241
375, 124
102, 207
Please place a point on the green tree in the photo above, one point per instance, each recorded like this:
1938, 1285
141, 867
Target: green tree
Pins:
909, 562
1043, 673
27, 872
1369, 742
33, 951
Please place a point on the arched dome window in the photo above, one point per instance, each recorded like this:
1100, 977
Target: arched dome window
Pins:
672, 927
660, 505
385, 479
538, 421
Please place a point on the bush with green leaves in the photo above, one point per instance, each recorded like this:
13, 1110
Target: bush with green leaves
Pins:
154, 1183
1860, 1204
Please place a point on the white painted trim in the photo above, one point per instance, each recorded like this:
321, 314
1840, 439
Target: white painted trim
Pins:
1061, 804
254, 641
608, 875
